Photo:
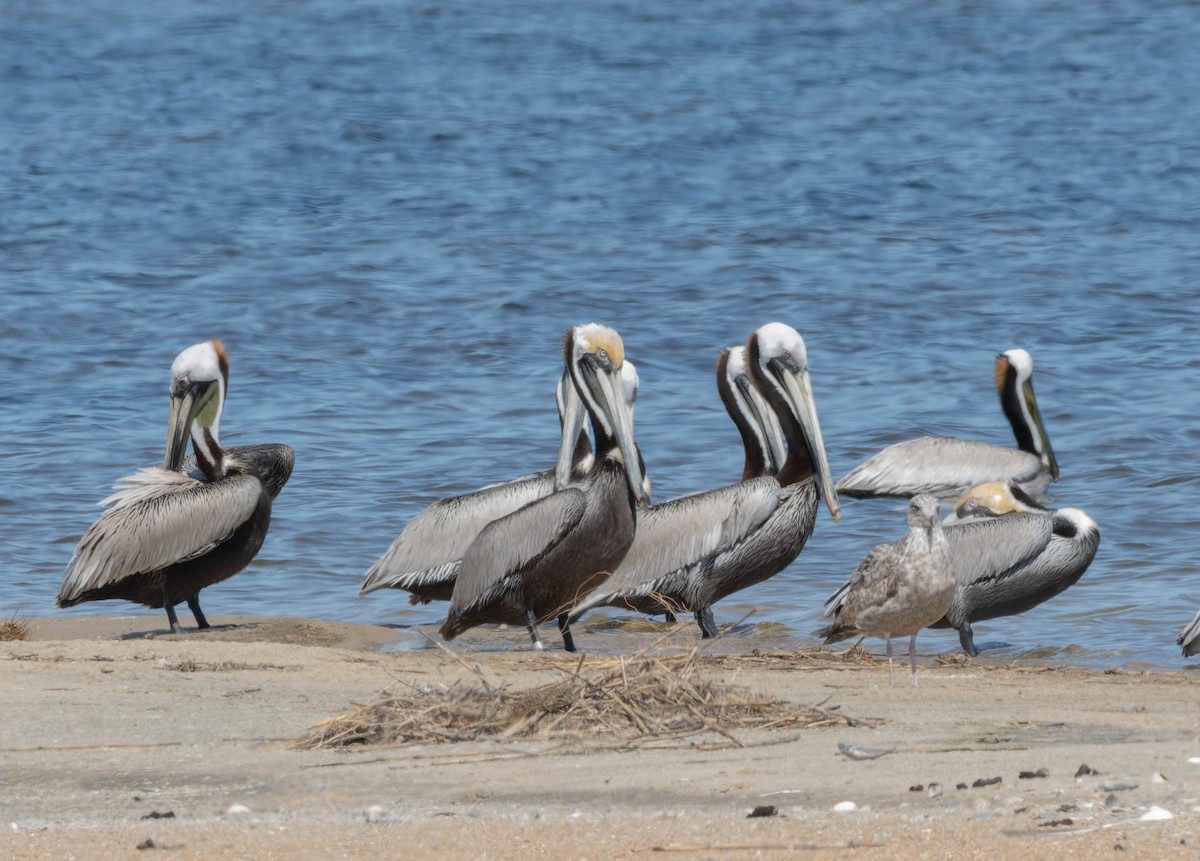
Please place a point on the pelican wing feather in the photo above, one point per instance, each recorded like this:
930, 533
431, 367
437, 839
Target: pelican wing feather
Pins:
992, 549
155, 519
675, 536
505, 546
943, 466
1189, 637
430, 546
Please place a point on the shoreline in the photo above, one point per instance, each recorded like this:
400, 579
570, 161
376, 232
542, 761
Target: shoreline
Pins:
106, 726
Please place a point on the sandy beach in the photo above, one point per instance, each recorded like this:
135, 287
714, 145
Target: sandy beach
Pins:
121, 741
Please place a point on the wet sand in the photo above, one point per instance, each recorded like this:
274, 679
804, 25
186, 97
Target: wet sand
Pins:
119, 736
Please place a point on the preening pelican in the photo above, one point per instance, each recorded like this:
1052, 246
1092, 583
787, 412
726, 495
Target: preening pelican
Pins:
948, 467
899, 588
1189, 637
166, 534
424, 558
536, 563
692, 551
1010, 554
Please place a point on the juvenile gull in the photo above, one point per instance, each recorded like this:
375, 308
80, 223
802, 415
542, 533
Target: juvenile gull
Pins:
898, 588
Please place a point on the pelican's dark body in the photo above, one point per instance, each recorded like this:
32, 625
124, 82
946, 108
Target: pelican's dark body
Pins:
537, 562
597, 522
1010, 564
183, 581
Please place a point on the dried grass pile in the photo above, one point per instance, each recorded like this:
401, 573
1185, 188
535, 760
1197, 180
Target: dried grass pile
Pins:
14, 628
622, 703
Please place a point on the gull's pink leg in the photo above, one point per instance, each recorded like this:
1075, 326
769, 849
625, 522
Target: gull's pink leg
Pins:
912, 658
891, 678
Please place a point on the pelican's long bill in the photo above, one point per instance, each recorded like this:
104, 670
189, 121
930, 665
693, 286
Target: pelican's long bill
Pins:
603, 383
797, 390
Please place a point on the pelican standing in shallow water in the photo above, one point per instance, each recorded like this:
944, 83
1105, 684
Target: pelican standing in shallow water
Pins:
899, 588
694, 550
948, 467
167, 534
425, 557
1010, 554
1189, 637
536, 563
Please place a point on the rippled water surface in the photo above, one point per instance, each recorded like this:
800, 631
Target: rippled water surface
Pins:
390, 212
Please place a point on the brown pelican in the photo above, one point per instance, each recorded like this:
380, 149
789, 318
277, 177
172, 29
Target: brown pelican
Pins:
694, 550
899, 588
534, 564
1011, 554
167, 534
948, 467
424, 558
1189, 637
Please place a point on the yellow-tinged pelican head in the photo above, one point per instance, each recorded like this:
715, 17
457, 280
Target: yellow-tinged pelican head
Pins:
199, 377
995, 499
594, 356
778, 362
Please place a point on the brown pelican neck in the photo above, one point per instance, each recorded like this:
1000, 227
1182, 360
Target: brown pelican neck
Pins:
581, 457
756, 460
1014, 409
798, 465
751, 415
210, 457
1014, 381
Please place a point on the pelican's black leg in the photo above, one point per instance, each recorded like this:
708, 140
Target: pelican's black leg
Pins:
564, 628
194, 606
531, 623
172, 618
670, 620
708, 627
966, 637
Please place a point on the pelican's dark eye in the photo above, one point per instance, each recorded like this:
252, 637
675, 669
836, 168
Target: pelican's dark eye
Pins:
972, 504
602, 353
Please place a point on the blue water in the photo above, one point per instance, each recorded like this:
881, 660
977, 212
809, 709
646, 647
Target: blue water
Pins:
390, 212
